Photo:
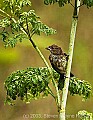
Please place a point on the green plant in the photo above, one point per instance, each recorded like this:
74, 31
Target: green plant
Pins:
84, 115
33, 83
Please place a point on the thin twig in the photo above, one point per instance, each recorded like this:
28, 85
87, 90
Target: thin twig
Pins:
77, 6
5, 13
51, 93
32, 33
71, 4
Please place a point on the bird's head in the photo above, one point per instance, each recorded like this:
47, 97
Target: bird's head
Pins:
54, 49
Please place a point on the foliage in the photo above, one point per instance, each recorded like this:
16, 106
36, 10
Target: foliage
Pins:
89, 3
80, 87
17, 24
84, 115
27, 84
33, 83
61, 3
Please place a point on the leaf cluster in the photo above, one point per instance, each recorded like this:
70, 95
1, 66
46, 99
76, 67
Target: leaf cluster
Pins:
14, 7
61, 3
88, 3
28, 84
80, 87
17, 24
84, 115
33, 83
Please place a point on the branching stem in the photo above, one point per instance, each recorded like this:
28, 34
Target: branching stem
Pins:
27, 32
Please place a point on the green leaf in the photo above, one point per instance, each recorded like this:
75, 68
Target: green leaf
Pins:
13, 39
34, 24
39, 27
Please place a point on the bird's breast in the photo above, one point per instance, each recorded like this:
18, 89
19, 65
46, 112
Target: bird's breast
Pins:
58, 62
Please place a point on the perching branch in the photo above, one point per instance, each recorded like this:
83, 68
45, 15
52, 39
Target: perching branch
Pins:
70, 53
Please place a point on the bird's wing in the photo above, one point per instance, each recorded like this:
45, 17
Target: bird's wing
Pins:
58, 62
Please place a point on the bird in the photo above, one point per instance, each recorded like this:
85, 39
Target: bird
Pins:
58, 59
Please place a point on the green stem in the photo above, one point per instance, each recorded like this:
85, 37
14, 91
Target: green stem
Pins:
71, 48
51, 93
5, 13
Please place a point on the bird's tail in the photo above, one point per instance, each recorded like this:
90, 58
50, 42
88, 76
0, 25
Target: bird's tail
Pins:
71, 75
62, 80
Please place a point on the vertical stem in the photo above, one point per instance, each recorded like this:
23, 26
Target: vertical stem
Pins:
71, 48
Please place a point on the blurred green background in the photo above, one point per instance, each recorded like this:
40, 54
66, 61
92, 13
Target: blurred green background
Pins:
24, 55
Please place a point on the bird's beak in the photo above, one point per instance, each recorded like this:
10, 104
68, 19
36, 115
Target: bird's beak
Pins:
48, 48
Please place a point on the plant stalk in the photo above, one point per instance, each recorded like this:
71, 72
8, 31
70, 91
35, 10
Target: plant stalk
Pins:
70, 53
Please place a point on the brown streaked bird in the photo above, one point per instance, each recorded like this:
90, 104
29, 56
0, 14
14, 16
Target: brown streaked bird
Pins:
58, 60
